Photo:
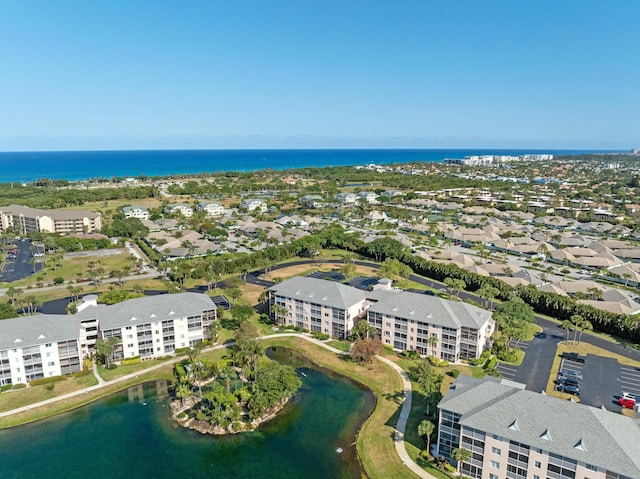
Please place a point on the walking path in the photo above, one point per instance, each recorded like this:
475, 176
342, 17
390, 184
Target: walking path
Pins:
400, 427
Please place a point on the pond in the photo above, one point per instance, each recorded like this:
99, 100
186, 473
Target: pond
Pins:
131, 434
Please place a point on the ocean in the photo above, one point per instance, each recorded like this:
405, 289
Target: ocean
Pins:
81, 165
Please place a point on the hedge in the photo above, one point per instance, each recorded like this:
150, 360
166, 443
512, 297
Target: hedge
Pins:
49, 380
134, 360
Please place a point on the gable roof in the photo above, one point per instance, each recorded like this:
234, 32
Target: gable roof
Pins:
433, 309
319, 291
584, 433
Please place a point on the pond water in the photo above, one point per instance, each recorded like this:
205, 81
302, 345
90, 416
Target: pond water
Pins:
131, 434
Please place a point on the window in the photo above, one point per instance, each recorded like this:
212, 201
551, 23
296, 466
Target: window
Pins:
129, 336
130, 345
388, 325
538, 464
493, 476
496, 450
591, 468
48, 345
497, 438
536, 477
495, 464
51, 363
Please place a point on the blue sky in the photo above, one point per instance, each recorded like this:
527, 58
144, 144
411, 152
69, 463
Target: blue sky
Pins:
295, 74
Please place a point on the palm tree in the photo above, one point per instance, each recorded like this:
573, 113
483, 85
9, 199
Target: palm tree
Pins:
460, 455
432, 341
576, 320
584, 325
567, 326
182, 391
425, 429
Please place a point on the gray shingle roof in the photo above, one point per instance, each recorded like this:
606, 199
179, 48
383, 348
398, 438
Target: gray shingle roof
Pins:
432, 309
319, 291
584, 433
31, 330
148, 309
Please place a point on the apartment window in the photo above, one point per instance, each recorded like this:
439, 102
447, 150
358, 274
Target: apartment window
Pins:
129, 336
48, 345
496, 450
128, 328
51, 363
130, 345
497, 438
536, 477
495, 464
157, 331
493, 476
157, 340
591, 468
48, 355
388, 325
538, 464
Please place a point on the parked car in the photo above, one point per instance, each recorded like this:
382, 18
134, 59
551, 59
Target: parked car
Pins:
571, 374
568, 381
568, 388
573, 357
628, 396
627, 402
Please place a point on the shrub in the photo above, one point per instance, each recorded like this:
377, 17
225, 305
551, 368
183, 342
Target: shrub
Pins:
476, 362
320, 336
6, 387
19, 386
181, 351
82, 372
50, 386
454, 373
491, 364
49, 380
134, 360
182, 415
410, 353
58, 280
112, 366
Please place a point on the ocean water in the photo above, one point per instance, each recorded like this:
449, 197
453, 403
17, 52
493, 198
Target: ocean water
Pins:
80, 165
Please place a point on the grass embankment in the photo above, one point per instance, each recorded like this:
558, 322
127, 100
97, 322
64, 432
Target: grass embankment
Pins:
65, 405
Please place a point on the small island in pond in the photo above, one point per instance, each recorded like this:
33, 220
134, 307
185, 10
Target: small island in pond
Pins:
235, 394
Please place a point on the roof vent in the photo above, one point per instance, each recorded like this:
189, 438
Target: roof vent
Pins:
153, 315
514, 425
311, 295
171, 313
133, 318
395, 308
325, 298
18, 340
580, 445
429, 316
42, 336
546, 436
412, 312
298, 292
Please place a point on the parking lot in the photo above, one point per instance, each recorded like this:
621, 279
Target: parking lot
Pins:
603, 380
16, 265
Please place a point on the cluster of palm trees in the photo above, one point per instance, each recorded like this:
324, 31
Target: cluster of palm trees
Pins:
578, 325
29, 303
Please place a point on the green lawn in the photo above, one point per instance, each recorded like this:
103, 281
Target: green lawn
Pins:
109, 374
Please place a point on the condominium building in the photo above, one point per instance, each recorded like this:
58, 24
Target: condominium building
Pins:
449, 330
517, 434
252, 204
181, 208
317, 305
139, 212
23, 220
35, 347
41, 346
211, 208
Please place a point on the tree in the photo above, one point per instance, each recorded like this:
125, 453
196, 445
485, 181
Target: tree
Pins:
583, 326
241, 313
430, 382
455, 285
488, 293
13, 294
348, 270
365, 349
425, 429
364, 330
460, 455
393, 269
30, 304
512, 318
567, 326
106, 347
7, 311
182, 391
233, 294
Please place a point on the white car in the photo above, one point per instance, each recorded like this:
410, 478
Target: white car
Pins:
628, 396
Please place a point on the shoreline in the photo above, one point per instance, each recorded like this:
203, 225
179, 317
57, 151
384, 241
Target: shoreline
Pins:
80, 166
